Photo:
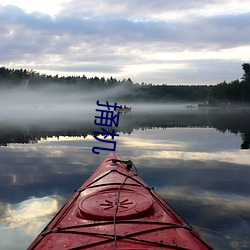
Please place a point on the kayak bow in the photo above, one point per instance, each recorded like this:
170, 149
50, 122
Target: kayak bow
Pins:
116, 209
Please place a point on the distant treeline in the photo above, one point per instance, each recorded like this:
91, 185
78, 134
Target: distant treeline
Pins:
237, 91
234, 92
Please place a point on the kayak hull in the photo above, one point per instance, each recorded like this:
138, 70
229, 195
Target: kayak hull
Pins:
116, 209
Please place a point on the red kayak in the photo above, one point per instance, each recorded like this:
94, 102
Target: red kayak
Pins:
116, 209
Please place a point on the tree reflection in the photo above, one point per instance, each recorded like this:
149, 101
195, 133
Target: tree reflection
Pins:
246, 141
236, 122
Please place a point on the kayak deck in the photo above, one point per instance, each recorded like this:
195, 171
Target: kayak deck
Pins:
116, 209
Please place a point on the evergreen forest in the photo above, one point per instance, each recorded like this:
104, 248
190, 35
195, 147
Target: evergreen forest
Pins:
224, 93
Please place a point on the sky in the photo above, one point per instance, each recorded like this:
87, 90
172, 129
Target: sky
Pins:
151, 41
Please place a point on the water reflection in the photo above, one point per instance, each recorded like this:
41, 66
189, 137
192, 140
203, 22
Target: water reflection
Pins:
193, 161
28, 211
31, 131
20, 222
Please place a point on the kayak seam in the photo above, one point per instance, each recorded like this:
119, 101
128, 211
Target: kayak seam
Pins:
128, 237
120, 222
113, 183
107, 184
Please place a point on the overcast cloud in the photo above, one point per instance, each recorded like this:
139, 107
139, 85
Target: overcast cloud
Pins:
160, 41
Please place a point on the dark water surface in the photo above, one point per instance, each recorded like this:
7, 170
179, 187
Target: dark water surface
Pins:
193, 158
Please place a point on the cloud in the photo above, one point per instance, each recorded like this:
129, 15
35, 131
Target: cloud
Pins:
98, 39
144, 10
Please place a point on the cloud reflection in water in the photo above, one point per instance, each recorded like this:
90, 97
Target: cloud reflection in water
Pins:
199, 171
26, 219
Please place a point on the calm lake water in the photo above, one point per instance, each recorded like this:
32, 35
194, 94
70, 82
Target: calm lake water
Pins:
197, 160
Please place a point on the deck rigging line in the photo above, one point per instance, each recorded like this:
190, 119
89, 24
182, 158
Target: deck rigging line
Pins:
129, 164
115, 237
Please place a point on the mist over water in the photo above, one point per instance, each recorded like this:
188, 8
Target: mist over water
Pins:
61, 102
44, 103
59, 109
